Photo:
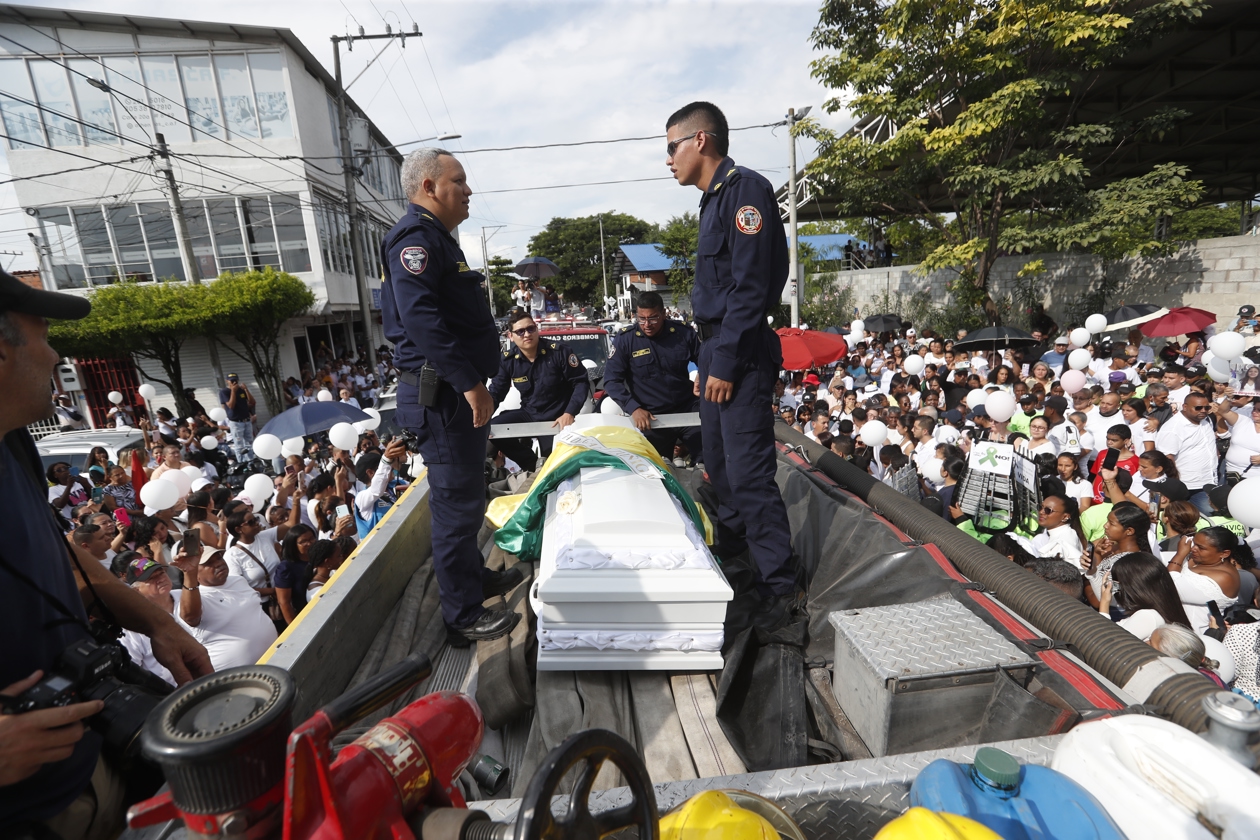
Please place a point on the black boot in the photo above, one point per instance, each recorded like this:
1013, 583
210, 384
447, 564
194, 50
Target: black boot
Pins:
500, 583
492, 625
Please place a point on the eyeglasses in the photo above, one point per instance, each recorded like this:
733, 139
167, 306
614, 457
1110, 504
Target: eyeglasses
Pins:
655, 319
253, 520
524, 331
673, 145
1049, 510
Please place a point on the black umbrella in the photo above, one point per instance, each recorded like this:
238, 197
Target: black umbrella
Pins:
536, 268
882, 323
996, 338
308, 418
836, 330
1132, 315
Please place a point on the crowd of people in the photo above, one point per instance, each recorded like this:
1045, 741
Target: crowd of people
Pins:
1134, 465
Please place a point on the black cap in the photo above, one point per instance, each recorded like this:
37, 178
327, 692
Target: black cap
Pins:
232, 377
141, 569
952, 416
1195, 371
1028, 398
1119, 351
1219, 496
16, 296
1154, 371
1246, 311
978, 411
1057, 403
1170, 488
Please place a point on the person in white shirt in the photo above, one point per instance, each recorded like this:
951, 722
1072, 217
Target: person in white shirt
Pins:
520, 295
1061, 536
221, 611
1062, 431
1178, 390
1243, 455
255, 551
1104, 416
537, 302
1189, 439
348, 398
980, 364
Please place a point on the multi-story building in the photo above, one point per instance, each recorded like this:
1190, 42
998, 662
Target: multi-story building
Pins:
250, 118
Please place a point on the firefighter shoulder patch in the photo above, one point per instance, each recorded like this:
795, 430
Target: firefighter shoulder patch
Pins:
415, 258
748, 219
573, 360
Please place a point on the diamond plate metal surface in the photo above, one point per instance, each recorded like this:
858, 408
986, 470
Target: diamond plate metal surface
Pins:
871, 789
924, 638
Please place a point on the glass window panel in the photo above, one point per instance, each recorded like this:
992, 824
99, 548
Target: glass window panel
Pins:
258, 233
201, 95
267, 70
98, 254
94, 104
333, 123
229, 245
63, 248
238, 99
199, 233
159, 230
129, 98
52, 88
21, 121
166, 97
125, 223
291, 232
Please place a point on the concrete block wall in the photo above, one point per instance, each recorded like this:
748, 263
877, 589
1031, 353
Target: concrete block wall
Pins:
1218, 275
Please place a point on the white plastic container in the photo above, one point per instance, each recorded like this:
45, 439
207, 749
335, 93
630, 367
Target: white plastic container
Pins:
1158, 780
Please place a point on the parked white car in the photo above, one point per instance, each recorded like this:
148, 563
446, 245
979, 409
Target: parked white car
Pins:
74, 447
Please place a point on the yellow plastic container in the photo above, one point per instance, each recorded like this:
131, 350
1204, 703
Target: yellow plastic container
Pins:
713, 815
922, 824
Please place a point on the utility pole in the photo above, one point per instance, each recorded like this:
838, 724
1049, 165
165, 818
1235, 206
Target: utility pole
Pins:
793, 253
603, 258
350, 171
485, 260
191, 269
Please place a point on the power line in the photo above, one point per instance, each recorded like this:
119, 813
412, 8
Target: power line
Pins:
68, 171
586, 184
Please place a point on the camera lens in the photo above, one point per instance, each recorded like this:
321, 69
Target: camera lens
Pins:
126, 708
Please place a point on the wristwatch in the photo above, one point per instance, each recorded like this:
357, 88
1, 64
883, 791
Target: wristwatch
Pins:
189, 588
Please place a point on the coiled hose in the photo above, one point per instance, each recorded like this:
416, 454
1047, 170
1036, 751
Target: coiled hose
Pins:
1112, 651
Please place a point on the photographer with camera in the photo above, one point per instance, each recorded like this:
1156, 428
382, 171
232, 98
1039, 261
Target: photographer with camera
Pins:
377, 472
52, 776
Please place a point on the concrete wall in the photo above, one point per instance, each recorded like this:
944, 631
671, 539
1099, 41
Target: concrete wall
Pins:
1218, 275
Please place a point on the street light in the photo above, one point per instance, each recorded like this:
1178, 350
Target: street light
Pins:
425, 140
793, 117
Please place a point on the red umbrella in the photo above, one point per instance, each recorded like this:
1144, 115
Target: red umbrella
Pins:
1179, 321
804, 349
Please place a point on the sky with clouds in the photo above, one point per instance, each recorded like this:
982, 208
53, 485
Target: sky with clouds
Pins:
527, 73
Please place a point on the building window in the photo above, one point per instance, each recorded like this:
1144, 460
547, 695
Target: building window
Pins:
159, 232
238, 98
53, 91
95, 107
21, 117
201, 96
291, 233
166, 98
267, 72
129, 98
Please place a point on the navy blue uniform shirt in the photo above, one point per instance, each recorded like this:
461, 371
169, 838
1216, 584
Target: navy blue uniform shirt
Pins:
651, 373
741, 265
554, 383
433, 307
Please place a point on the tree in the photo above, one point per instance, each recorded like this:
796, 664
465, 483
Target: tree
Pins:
981, 99
502, 282
574, 246
252, 307
148, 321
679, 240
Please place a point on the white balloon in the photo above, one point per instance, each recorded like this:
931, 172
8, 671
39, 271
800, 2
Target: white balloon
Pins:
218, 415
267, 446
1096, 323
769, 319
1244, 502
874, 433
180, 479
359, 427
115, 397
324, 395
343, 436
210, 442
1080, 336
291, 446
934, 469
914, 364
976, 397
1227, 667
258, 489
1228, 345
1000, 406
159, 494
858, 328
1080, 358
1206, 358
192, 472
374, 419
147, 391
1218, 370
1073, 382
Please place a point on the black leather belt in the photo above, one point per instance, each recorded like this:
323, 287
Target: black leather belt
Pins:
710, 330
409, 378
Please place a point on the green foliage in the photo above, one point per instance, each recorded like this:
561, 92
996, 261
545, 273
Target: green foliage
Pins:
502, 282
979, 99
574, 246
252, 307
679, 240
148, 321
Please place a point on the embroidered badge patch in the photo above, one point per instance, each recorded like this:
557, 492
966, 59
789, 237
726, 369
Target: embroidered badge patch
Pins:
748, 219
415, 258
637, 353
573, 360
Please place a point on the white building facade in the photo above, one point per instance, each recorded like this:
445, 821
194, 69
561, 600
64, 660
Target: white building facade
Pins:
250, 119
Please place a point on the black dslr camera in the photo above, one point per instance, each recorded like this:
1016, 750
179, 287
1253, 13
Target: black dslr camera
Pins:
410, 441
85, 671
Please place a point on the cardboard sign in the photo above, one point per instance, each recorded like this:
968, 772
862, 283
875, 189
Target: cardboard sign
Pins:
991, 458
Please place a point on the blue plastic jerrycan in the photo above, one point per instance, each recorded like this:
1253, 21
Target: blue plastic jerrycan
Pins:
1018, 802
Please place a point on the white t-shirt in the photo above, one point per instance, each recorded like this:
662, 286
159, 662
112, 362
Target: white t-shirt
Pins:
234, 629
537, 301
1142, 623
266, 547
1067, 437
1088, 451
1193, 445
1243, 443
1078, 489
1097, 425
77, 496
1178, 396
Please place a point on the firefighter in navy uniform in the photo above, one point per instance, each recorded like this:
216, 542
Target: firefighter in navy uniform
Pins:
647, 375
446, 346
741, 269
553, 385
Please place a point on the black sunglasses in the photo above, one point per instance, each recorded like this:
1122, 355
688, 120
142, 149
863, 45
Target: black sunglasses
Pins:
524, 331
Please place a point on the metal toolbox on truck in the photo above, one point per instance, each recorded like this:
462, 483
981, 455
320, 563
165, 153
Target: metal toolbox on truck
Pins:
918, 676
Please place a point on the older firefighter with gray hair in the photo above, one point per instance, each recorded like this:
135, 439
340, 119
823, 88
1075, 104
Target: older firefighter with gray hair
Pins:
435, 311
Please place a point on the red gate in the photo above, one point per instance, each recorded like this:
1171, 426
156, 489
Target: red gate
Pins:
100, 376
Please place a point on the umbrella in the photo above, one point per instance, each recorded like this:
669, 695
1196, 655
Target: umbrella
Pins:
1124, 317
804, 349
882, 323
995, 338
309, 418
1179, 321
836, 331
536, 268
